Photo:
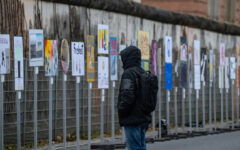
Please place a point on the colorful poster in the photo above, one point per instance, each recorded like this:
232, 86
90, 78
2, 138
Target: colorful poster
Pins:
190, 70
232, 68
78, 59
197, 72
65, 55
145, 65
168, 76
18, 63
51, 57
4, 54
154, 57
121, 47
168, 49
103, 39
226, 76
183, 65
143, 44
221, 77
203, 63
36, 48
211, 65
113, 59
103, 72
238, 66
222, 54
90, 59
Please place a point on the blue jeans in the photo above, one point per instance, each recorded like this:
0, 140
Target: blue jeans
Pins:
135, 136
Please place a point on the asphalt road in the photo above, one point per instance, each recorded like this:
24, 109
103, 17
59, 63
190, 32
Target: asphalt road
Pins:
224, 141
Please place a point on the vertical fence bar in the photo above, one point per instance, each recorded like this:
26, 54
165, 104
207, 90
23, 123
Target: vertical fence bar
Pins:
238, 108
190, 108
197, 99
77, 114
210, 105
221, 91
102, 116
176, 109
89, 114
159, 94
18, 99
35, 108
113, 112
232, 104
168, 116
183, 109
1, 113
214, 102
50, 114
203, 105
64, 110
226, 105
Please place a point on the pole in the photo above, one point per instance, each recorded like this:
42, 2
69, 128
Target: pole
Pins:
50, 114
210, 106
183, 109
113, 110
89, 114
232, 105
176, 113
77, 113
1, 113
102, 116
226, 105
203, 105
64, 110
35, 107
18, 99
221, 91
190, 109
238, 108
168, 121
214, 103
197, 98
159, 96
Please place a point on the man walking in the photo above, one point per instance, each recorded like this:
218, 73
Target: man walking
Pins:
131, 116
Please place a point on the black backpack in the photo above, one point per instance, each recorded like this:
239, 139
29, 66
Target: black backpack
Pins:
147, 88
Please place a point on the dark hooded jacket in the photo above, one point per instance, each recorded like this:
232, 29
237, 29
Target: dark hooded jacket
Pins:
129, 111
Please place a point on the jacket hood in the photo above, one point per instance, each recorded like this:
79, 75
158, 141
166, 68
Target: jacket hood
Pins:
131, 57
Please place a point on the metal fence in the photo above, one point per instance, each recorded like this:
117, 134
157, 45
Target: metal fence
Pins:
27, 117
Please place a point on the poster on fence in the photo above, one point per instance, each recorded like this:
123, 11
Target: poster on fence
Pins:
78, 59
65, 55
36, 48
113, 59
197, 72
203, 63
222, 54
232, 68
190, 70
226, 69
121, 47
238, 66
168, 49
154, 57
103, 39
134, 42
168, 76
143, 44
211, 65
4, 54
103, 72
51, 57
221, 77
90, 59
18, 63
183, 65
